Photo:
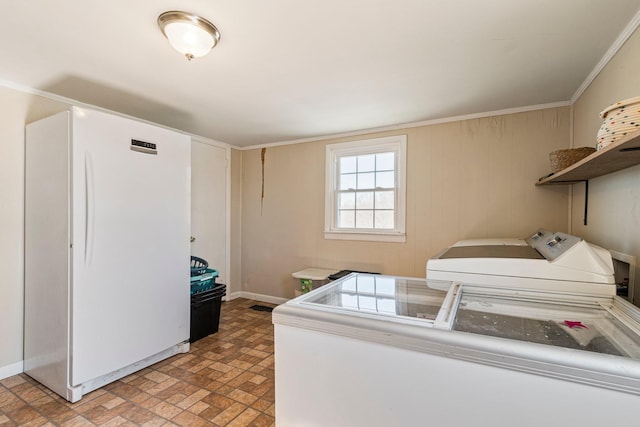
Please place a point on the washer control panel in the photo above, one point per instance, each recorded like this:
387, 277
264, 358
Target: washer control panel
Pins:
552, 245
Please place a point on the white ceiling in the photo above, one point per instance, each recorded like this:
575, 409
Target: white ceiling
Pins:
287, 70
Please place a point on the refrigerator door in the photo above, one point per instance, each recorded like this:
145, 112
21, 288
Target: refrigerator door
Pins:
131, 221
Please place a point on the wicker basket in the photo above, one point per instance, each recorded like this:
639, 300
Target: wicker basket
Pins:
620, 119
561, 159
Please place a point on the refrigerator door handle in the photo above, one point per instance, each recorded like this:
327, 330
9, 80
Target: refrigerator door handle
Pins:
88, 208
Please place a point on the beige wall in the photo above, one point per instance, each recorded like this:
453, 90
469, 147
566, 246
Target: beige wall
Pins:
466, 179
16, 109
614, 200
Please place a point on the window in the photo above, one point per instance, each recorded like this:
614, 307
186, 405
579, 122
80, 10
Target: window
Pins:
365, 189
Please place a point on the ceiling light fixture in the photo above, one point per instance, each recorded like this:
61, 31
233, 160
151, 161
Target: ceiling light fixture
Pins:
189, 34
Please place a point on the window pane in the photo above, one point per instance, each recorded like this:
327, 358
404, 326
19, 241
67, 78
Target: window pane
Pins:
384, 219
385, 200
367, 163
348, 164
346, 219
364, 200
347, 181
385, 161
366, 180
364, 219
385, 179
365, 188
347, 201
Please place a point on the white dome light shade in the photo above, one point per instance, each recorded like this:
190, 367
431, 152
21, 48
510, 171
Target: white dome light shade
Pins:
189, 39
189, 34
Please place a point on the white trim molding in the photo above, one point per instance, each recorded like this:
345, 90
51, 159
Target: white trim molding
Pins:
255, 297
403, 126
11, 370
609, 54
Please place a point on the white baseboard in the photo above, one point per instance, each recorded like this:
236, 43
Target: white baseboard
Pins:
255, 297
11, 370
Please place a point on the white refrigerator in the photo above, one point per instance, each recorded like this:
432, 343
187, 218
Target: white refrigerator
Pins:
107, 225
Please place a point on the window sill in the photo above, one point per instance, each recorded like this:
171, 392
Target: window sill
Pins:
367, 237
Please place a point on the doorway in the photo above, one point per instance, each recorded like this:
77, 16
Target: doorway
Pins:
209, 205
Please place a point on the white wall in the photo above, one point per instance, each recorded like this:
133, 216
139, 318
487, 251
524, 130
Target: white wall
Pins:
614, 200
16, 108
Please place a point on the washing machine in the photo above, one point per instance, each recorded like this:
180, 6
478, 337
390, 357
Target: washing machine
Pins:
553, 262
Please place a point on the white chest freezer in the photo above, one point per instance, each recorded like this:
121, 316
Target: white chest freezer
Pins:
370, 350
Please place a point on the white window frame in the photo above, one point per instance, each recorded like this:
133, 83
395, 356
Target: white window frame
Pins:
397, 144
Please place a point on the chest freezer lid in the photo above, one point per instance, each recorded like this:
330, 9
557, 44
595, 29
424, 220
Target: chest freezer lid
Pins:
607, 327
392, 298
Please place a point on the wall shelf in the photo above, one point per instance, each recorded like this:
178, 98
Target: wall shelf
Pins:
617, 156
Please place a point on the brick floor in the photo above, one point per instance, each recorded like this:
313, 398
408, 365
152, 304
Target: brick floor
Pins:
226, 379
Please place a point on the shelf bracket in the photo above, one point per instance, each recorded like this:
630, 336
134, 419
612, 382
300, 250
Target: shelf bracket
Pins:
586, 200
